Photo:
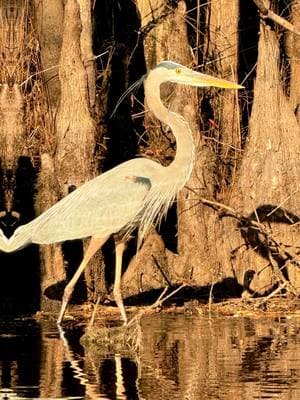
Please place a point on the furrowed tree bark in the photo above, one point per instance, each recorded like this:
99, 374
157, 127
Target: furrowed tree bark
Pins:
75, 127
222, 50
86, 46
12, 137
294, 57
12, 130
49, 24
267, 188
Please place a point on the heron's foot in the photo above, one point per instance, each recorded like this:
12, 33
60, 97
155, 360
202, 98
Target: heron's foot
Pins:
65, 301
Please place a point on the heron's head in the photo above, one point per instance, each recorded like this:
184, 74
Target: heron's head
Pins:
169, 71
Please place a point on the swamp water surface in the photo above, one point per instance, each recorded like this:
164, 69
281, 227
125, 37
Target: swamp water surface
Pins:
179, 357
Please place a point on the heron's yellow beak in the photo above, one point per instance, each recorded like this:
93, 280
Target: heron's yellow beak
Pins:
207, 80
186, 76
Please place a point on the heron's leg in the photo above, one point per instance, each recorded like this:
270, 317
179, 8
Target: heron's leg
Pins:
94, 245
120, 246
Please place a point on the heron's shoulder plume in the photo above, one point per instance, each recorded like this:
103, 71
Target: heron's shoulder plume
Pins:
130, 89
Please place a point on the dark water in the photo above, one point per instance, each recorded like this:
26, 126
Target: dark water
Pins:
176, 357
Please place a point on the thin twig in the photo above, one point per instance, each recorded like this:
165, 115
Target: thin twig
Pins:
170, 294
282, 203
157, 302
267, 13
91, 323
272, 294
169, 283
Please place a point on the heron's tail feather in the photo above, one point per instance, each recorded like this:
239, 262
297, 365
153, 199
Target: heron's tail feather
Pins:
155, 208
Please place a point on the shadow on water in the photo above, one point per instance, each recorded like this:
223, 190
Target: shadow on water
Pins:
176, 357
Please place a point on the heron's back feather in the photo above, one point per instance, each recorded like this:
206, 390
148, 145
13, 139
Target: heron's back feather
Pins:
100, 207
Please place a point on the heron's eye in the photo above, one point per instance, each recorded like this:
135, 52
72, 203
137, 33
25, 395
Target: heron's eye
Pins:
178, 71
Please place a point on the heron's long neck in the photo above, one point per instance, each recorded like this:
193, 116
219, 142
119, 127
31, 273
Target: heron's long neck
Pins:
185, 149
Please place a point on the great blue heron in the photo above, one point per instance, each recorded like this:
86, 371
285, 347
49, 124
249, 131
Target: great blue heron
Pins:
136, 193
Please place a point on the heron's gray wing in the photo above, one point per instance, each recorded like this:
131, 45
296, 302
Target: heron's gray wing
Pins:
100, 207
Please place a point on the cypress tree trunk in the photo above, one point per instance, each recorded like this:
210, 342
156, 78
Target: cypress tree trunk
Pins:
164, 28
222, 50
12, 131
75, 127
265, 190
49, 24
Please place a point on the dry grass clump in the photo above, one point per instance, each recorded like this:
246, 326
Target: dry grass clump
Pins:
115, 339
